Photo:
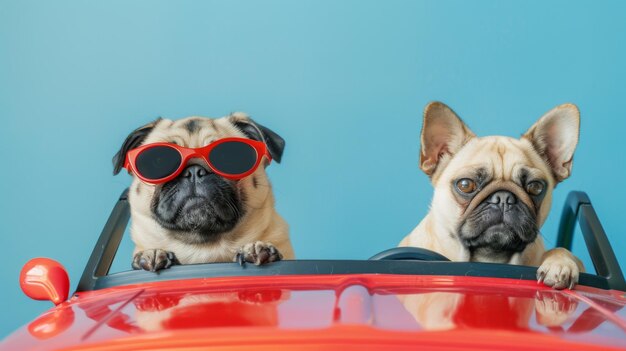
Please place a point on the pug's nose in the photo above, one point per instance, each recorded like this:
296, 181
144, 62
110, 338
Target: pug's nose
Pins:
502, 199
194, 172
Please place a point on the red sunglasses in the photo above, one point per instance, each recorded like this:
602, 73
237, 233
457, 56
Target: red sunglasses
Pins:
231, 158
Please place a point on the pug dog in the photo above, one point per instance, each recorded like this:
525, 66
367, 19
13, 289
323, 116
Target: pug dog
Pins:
200, 216
492, 194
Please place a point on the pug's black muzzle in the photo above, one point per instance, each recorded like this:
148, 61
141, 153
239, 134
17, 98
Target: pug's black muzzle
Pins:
198, 205
499, 223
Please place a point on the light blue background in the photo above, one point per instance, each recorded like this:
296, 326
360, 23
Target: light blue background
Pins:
344, 82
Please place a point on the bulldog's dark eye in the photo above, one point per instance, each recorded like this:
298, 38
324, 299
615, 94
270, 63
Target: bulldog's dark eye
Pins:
466, 185
534, 188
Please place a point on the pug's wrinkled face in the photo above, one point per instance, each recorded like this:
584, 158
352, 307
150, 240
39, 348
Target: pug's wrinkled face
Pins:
198, 206
198, 202
494, 193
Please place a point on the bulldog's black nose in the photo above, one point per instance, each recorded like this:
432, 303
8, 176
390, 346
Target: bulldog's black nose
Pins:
502, 198
195, 172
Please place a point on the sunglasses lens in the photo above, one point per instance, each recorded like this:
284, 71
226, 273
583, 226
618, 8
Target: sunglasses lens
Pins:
158, 162
233, 157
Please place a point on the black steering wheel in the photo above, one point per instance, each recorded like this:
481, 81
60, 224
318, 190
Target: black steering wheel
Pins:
409, 253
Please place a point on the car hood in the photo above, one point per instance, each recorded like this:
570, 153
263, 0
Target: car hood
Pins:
327, 311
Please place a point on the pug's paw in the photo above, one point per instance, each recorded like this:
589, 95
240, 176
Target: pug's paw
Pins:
154, 259
559, 269
258, 253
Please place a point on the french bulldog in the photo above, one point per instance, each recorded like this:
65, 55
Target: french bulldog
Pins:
492, 194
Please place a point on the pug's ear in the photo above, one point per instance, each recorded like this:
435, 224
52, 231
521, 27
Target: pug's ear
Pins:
132, 141
443, 135
554, 136
253, 130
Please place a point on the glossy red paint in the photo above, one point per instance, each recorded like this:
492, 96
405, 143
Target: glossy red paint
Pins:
51, 324
364, 312
45, 279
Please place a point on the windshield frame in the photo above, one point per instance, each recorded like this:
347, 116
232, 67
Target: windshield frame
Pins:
335, 267
577, 208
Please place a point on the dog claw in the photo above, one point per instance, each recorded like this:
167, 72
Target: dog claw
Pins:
239, 259
540, 276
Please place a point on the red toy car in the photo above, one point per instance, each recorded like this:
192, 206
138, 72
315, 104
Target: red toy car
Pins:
402, 298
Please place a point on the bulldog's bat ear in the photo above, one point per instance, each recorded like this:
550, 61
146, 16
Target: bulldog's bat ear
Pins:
253, 130
554, 136
443, 135
132, 141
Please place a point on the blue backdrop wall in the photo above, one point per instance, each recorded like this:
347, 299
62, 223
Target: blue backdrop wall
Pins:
344, 82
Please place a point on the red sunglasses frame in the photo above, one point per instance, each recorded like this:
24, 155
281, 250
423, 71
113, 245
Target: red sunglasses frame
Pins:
187, 154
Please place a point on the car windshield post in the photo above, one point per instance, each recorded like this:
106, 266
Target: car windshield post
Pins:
109, 241
578, 208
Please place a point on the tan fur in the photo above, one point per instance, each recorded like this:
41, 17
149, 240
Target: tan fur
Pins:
260, 223
450, 150
445, 213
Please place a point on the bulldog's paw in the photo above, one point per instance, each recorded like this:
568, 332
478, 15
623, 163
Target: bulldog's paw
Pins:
559, 269
258, 253
154, 259
552, 308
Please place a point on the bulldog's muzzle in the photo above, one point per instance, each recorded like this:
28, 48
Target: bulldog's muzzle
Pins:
500, 218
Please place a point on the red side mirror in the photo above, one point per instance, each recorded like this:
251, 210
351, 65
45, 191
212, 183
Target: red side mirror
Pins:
45, 279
